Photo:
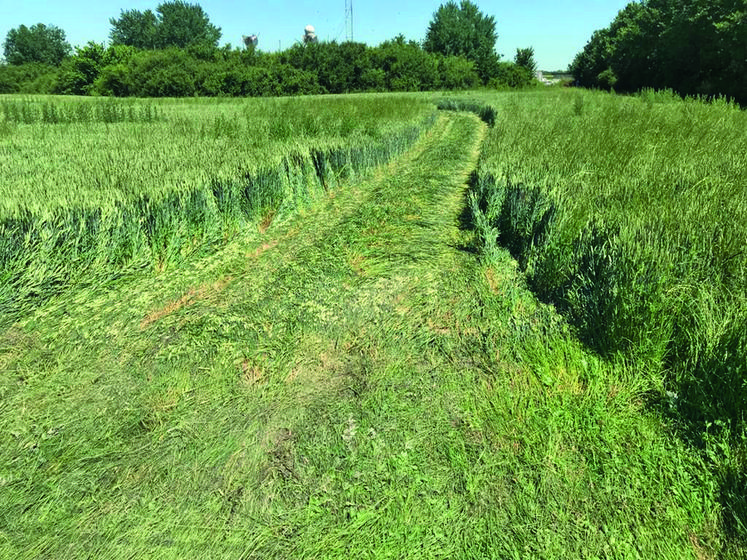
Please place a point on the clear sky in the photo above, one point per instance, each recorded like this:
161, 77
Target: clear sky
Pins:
557, 29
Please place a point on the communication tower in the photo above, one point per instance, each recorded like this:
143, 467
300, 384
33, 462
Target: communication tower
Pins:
349, 20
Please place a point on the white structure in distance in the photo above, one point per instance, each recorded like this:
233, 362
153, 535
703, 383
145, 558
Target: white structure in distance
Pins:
309, 34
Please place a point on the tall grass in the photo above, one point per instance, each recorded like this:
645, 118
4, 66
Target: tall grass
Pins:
35, 110
630, 215
91, 187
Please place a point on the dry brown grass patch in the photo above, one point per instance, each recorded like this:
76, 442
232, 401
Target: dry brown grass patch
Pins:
280, 451
193, 295
265, 222
12, 342
492, 280
440, 327
356, 262
700, 552
251, 373
264, 247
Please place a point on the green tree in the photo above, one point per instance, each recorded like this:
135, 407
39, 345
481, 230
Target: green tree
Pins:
695, 47
592, 60
78, 72
340, 67
732, 41
162, 73
510, 75
525, 59
462, 30
38, 43
632, 49
115, 79
457, 72
34, 77
175, 24
134, 28
406, 65
181, 24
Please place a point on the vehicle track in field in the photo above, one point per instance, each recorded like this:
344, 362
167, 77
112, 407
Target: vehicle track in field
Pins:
361, 297
350, 382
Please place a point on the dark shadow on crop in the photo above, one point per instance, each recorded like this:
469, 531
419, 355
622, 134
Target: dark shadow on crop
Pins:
733, 500
466, 218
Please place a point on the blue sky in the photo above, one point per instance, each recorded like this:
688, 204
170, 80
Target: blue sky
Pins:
557, 29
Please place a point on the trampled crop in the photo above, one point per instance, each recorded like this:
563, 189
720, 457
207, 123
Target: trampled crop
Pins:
196, 358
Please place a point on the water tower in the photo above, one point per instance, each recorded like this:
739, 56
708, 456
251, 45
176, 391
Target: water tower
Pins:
250, 41
309, 34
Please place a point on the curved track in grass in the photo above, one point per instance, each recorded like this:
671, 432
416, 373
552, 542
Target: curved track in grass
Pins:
350, 383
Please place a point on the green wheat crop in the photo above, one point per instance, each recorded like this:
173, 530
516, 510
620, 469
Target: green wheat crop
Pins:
91, 186
630, 215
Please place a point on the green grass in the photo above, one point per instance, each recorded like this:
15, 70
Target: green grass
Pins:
104, 186
355, 381
629, 215
159, 147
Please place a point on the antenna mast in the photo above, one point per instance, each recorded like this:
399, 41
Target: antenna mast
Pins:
349, 20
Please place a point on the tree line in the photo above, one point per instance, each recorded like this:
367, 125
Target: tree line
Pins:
173, 52
694, 47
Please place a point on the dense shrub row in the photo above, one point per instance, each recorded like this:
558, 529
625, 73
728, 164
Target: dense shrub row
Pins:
122, 71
